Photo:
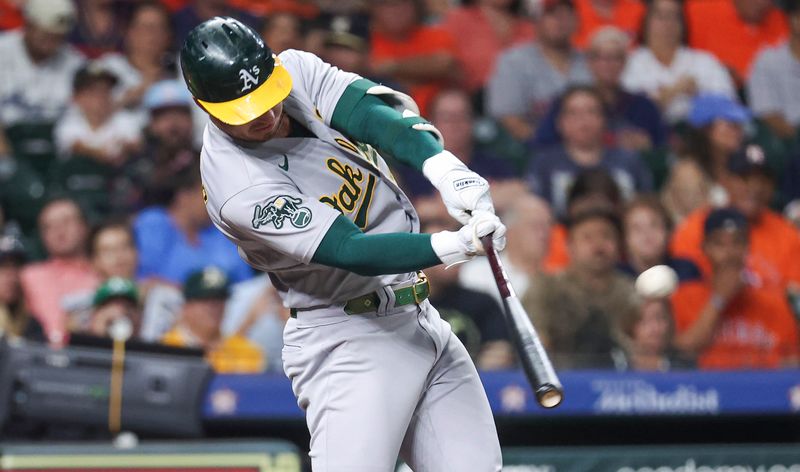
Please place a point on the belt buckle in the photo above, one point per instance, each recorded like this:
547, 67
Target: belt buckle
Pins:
423, 280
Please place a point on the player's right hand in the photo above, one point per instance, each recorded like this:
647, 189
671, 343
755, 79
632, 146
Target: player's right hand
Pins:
455, 247
462, 190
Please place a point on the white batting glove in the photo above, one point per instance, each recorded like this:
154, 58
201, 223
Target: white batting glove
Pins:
455, 247
463, 191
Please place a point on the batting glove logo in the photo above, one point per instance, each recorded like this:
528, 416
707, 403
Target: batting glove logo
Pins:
279, 209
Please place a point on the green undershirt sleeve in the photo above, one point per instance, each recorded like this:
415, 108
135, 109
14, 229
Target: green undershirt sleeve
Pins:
368, 119
344, 246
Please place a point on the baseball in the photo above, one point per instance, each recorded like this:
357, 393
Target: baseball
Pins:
657, 282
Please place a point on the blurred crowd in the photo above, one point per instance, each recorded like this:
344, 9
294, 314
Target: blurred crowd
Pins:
618, 135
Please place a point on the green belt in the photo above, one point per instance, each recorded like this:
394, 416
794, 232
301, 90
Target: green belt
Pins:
368, 303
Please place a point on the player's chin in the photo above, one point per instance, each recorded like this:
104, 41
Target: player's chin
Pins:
265, 133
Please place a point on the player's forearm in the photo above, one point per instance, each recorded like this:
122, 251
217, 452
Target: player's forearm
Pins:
346, 247
369, 119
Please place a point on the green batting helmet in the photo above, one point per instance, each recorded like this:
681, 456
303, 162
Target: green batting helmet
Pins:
231, 73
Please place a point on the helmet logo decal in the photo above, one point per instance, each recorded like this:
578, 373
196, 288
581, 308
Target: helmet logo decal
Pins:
248, 79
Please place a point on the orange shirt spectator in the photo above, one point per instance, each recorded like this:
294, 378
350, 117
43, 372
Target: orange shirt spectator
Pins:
731, 319
476, 52
756, 329
420, 58
10, 15
718, 27
774, 246
624, 14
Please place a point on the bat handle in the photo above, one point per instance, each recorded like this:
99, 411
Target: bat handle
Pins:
503, 285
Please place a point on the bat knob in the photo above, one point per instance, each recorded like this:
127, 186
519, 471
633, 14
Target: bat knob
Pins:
549, 396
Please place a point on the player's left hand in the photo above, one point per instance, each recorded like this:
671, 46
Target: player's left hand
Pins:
462, 190
484, 223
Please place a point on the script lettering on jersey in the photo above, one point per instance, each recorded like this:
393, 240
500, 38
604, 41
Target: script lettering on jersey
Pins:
280, 208
347, 197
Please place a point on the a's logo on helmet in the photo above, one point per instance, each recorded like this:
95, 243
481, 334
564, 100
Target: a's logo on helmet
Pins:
249, 79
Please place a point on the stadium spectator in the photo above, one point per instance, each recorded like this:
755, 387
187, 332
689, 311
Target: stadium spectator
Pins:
669, 72
527, 78
687, 189
282, 30
634, 121
482, 31
346, 43
647, 227
145, 58
36, 71
147, 177
530, 223
581, 124
112, 250
199, 325
592, 189
774, 81
116, 302
576, 312
15, 319
451, 112
731, 320
773, 241
66, 280
595, 14
420, 58
198, 11
91, 128
735, 30
647, 331
472, 314
178, 239
717, 132
99, 27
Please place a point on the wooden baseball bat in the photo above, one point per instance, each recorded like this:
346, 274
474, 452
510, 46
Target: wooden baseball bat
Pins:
535, 362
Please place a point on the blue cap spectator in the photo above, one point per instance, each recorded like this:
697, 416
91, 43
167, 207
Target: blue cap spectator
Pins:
706, 108
166, 94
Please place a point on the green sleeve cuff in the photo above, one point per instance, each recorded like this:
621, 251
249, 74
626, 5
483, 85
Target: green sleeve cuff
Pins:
344, 246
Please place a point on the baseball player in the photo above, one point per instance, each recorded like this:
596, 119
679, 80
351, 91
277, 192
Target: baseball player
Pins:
293, 173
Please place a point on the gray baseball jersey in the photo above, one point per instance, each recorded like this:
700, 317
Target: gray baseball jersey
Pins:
277, 199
